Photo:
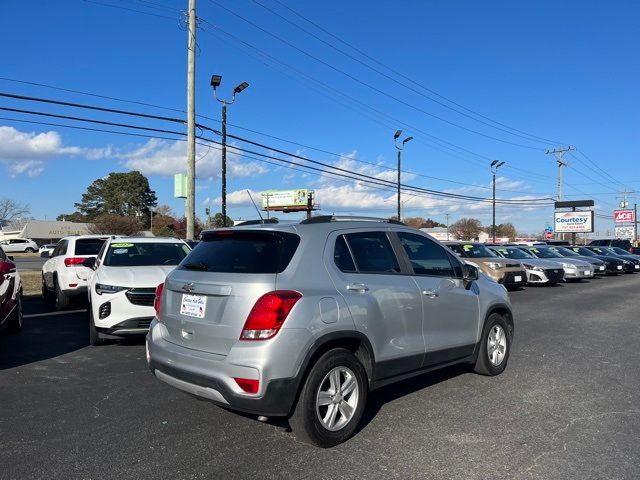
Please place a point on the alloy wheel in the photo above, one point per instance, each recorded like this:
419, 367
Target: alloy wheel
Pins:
337, 398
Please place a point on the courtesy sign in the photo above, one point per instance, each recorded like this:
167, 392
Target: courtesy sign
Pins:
573, 222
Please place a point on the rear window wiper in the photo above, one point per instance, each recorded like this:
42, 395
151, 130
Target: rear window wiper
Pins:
196, 266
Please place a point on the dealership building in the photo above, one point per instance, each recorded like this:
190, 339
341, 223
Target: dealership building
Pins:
41, 231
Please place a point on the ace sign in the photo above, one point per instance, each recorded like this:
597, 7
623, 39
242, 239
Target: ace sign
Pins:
623, 216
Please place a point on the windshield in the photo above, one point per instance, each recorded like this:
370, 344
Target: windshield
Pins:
585, 252
476, 250
544, 253
603, 251
514, 253
565, 252
619, 251
124, 254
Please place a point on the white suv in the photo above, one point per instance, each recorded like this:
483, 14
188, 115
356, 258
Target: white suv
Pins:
63, 275
123, 288
16, 245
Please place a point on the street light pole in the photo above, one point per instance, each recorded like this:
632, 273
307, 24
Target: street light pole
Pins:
494, 169
216, 80
399, 147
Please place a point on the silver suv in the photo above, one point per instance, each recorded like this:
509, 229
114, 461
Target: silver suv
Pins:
304, 320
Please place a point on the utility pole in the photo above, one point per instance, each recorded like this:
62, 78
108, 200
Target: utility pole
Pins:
635, 224
447, 226
495, 165
191, 121
399, 147
559, 154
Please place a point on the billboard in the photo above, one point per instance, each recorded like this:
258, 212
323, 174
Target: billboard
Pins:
623, 216
624, 233
285, 198
573, 222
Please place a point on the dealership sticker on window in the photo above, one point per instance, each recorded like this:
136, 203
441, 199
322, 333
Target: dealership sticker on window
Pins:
122, 245
120, 251
467, 248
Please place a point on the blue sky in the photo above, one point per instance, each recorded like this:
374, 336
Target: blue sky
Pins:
563, 71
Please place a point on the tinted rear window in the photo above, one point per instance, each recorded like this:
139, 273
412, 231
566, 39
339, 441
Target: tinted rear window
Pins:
243, 252
89, 246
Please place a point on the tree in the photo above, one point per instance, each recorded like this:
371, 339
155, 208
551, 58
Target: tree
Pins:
179, 227
506, 230
420, 222
10, 209
217, 221
72, 217
125, 194
109, 223
163, 220
466, 228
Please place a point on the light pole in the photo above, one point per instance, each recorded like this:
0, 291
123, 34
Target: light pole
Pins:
216, 80
495, 165
399, 147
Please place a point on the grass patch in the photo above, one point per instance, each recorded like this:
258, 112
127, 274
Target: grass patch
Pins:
31, 284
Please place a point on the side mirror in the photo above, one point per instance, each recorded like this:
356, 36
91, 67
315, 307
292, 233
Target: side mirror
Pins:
10, 257
89, 263
469, 273
7, 267
45, 254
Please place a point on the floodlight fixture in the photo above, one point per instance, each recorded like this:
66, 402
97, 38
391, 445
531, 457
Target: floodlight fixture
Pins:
397, 134
216, 80
240, 87
406, 140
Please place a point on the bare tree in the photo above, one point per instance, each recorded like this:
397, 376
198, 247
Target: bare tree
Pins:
115, 224
10, 209
466, 228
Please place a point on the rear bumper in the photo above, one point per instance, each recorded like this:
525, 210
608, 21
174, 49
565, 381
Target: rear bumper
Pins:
212, 376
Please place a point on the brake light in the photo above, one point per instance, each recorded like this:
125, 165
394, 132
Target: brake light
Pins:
157, 301
248, 385
73, 261
268, 314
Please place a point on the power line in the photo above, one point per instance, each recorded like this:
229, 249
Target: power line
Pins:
400, 74
366, 84
391, 78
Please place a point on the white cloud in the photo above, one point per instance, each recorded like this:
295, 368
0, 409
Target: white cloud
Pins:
166, 158
27, 152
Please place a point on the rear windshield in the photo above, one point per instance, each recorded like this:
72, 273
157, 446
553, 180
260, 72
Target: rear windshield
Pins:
145, 254
88, 246
228, 251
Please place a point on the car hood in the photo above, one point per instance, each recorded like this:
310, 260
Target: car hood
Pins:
573, 261
508, 262
138, 277
541, 262
591, 260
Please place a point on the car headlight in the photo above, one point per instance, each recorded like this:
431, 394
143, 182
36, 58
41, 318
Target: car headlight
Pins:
495, 265
102, 288
568, 265
531, 267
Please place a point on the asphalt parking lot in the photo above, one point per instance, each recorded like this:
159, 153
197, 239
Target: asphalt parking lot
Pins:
568, 406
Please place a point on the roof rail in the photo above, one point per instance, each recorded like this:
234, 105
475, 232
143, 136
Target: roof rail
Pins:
346, 218
256, 222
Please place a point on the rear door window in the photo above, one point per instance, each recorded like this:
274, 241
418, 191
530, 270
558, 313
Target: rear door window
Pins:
373, 253
242, 252
342, 256
88, 246
426, 257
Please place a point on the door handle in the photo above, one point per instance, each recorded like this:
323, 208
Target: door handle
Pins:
358, 287
430, 293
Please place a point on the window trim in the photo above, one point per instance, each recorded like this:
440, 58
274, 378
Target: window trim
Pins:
444, 249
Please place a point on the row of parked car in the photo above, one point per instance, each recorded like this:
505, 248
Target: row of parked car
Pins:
543, 264
304, 320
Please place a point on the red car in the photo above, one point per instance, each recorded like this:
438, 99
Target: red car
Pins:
10, 295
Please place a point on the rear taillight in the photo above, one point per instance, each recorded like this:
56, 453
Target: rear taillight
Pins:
248, 385
73, 261
157, 301
268, 314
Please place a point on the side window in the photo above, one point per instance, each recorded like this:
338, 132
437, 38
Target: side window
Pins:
456, 249
426, 257
373, 253
61, 248
342, 256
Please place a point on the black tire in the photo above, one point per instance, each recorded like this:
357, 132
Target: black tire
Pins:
484, 365
46, 294
305, 422
94, 336
29, 250
15, 322
61, 300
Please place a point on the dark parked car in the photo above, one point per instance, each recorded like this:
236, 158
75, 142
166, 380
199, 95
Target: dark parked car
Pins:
635, 250
613, 264
631, 264
10, 295
612, 242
